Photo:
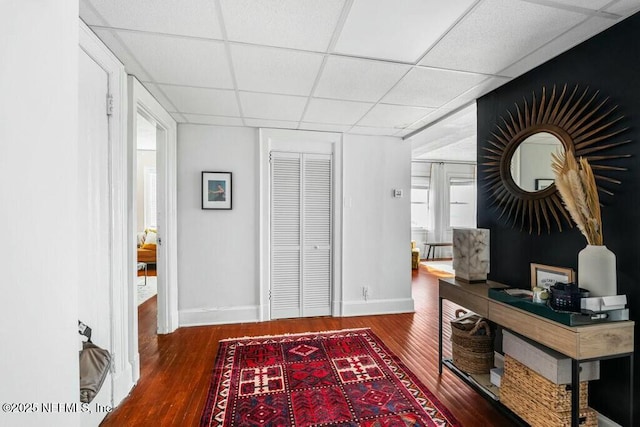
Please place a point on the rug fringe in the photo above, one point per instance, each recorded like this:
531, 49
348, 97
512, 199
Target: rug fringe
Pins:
294, 334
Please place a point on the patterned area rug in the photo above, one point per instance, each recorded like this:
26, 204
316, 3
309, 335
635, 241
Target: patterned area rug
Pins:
337, 378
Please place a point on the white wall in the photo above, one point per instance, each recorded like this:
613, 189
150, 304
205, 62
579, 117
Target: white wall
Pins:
218, 249
38, 181
377, 232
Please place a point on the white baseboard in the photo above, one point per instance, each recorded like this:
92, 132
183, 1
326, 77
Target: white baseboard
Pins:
379, 306
220, 316
123, 383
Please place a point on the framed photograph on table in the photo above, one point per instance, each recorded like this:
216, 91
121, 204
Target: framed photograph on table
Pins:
545, 276
216, 190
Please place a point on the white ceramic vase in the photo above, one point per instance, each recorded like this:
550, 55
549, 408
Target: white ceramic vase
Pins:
597, 271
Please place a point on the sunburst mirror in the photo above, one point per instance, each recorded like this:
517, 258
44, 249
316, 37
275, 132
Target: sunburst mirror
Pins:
518, 163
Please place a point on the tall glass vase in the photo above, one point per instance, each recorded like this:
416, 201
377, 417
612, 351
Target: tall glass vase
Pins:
597, 271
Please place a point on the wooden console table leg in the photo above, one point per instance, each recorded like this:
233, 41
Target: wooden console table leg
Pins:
439, 336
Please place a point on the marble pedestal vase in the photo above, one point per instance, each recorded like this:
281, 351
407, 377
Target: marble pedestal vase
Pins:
597, 271
471, 254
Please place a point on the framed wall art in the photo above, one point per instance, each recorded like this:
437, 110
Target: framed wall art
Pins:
216, 190
545, 276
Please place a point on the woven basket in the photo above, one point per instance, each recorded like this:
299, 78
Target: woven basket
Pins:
539, 401
472, 343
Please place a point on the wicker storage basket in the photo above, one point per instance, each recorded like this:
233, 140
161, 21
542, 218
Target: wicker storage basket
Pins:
539, 401
471, 343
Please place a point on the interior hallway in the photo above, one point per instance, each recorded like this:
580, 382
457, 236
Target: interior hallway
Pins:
176, 368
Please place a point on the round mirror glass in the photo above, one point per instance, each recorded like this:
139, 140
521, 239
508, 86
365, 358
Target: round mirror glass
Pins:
531, 162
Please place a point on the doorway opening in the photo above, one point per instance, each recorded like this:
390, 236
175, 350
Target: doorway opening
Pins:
147, 210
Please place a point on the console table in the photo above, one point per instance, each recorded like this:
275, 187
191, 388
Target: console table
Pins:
580, 343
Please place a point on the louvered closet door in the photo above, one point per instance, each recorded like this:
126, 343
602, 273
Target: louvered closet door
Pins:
300, 235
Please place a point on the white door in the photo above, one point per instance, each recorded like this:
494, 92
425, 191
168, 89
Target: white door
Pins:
301, 234
94, 218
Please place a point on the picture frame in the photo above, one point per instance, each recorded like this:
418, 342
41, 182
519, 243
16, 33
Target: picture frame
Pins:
542, 183
216, 190
544, 276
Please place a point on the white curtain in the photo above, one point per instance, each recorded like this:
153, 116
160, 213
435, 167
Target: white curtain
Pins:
437, 203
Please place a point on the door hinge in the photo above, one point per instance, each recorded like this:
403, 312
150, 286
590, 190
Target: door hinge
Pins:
160, 241
109, 105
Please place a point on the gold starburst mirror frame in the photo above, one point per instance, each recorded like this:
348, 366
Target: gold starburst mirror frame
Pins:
580, 123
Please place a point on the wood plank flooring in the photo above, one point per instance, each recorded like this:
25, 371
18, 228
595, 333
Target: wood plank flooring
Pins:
176, 368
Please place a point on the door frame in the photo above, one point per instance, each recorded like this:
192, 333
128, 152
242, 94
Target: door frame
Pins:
122, 379
141, 101
298, 141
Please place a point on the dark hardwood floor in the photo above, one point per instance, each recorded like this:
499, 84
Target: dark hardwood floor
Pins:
176, 368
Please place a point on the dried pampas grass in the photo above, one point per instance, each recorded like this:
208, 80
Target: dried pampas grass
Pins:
577, 187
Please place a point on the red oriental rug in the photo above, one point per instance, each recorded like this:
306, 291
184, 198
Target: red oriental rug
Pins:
337, 378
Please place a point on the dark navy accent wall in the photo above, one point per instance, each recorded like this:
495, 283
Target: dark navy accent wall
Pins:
610, 63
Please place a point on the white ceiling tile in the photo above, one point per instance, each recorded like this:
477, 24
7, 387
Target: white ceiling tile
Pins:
397, 30
278, 124
335, 112
497, 32
624, 7
213, 120
298, 24
393, 116
324, 127
366, 130
190, 18
561, 44
428, 87
159, 95
114, 43
358, 79
179, 60
586, 4
272, 107
217, 102
267, 69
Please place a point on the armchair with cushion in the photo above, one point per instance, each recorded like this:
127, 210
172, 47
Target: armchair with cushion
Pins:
147, 241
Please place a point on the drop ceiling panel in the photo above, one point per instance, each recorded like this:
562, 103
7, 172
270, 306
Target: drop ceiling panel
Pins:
217, 102
324, 127
159, 95
266, 69
367, 130
397, 30
393, 116
429, 87
273, 107
278, 124
298, 24
358, 79
114, 43
179, 60
335, 112
560, 45
497, 33
213, 120
196, 18
588, 4
624, 7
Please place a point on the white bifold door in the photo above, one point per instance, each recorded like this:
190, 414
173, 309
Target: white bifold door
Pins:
301, 234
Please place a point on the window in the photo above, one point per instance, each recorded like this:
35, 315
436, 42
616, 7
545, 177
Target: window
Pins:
420, 202
462, 199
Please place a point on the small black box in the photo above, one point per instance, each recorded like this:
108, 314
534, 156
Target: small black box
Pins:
566, 297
